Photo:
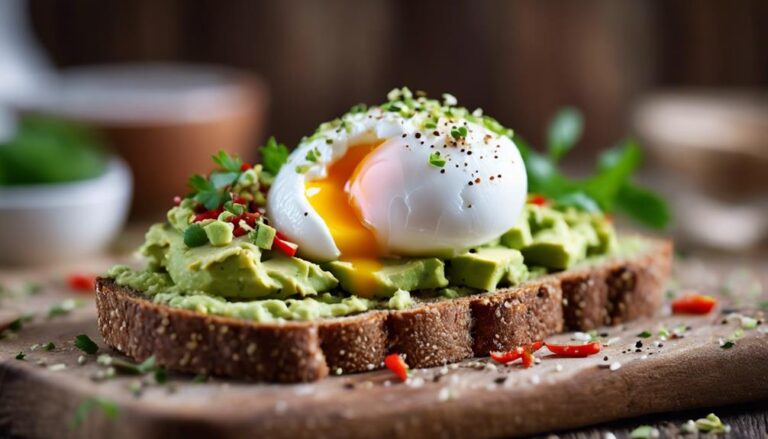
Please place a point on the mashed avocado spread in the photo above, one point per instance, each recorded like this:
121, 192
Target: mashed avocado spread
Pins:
218, 254
241, 280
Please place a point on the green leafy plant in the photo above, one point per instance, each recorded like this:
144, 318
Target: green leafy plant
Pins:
46, 150
609, 189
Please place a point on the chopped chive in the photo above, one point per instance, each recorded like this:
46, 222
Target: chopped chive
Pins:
436, 160
85, 344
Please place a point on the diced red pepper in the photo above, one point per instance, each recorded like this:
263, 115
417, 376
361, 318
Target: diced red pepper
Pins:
694, 304
210, 214
250, 218
518, 352
176, 200
574, 351
245, 166
82, 282
239, 231
538, 200
397, 364
284, 246
237, 199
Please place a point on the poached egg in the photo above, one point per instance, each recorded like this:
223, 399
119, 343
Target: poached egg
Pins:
413, 177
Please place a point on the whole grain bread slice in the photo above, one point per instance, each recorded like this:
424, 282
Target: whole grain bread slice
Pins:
431, 333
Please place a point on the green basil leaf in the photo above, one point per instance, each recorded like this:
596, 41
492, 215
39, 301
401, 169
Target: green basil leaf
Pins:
543, 176
644, 206
615, 167
579, 200
564, 131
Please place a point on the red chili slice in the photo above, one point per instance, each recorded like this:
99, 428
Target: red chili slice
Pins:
574, 351
245, 166
694, 304
397, 364
518, 352
527, 359
82, 282
284, 246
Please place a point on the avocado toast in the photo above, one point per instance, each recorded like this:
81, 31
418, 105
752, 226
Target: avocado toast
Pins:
290, 270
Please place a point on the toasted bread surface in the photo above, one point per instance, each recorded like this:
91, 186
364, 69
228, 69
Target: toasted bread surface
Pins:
431, 333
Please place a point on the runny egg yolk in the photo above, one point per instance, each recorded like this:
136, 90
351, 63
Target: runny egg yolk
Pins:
355, 241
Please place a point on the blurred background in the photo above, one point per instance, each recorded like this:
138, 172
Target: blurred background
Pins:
167, 83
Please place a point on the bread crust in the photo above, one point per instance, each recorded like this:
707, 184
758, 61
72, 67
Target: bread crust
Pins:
429, 334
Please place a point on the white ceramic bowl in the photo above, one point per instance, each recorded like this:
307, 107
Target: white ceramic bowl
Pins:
49, 223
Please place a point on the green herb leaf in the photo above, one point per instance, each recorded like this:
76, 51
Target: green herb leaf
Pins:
48, 346
615, 166
459, 132
17, 324
147, 365
198, 183
85, 344
273, 156
200, 378
564, 132
436, 160
161, 375
84, 409
212, 199
64, 307
20, 356
227, 162
579, 200
644, 334
313, 155
727, 344
221, 180
643, 206
195, 236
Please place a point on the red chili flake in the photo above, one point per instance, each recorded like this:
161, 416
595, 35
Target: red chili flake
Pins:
538, 200
284, 246
518, 352
84, 283
176, 200
397, 364
245, 166
574, 351
694, 304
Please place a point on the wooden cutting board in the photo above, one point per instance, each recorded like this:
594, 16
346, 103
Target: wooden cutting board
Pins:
48, 394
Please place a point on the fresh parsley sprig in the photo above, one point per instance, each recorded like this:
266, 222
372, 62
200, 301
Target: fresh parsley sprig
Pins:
609, 189
273, 156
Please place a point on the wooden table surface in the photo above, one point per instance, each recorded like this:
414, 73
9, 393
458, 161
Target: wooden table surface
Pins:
738, 281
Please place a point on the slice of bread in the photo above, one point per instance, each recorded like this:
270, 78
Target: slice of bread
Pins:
431, 333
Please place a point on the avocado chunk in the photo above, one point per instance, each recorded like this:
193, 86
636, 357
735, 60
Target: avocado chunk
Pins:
408, 275
487, 268
219, 233
263, 236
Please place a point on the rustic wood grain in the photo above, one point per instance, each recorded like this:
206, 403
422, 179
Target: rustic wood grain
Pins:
474, 399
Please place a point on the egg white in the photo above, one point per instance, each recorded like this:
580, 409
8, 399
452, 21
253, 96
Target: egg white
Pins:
412, 206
